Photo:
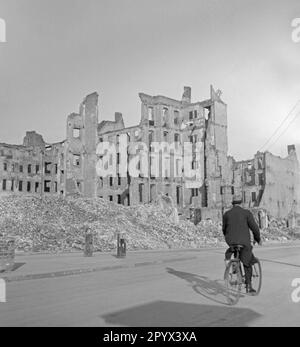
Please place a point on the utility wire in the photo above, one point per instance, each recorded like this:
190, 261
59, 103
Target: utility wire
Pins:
292, 121
281, 124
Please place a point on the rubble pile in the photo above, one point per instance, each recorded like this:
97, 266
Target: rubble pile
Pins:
55, 224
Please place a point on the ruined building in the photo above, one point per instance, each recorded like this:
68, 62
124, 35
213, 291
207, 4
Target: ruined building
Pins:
32, 168
179, 148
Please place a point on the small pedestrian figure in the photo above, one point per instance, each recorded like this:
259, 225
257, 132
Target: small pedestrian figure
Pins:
88, 247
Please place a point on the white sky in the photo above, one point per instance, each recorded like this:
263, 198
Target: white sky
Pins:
58, 51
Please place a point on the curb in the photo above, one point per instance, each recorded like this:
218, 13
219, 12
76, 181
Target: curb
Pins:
74, 272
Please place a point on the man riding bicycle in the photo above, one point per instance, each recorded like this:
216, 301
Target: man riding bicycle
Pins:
236, 225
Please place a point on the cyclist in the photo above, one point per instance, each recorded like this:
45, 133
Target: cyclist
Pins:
236, 225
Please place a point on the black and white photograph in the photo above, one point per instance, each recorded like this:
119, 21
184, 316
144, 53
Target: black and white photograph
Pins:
149, 166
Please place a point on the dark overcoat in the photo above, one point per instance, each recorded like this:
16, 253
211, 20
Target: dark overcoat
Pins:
236, 225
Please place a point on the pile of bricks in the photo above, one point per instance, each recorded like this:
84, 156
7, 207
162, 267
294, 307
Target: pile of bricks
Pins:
56, 225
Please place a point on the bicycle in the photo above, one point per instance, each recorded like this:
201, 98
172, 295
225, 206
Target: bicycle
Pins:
234, 276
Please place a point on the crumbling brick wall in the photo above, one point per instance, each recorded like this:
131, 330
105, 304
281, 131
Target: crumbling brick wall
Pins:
80, 149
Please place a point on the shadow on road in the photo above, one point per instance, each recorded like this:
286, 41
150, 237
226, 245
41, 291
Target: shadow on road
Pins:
178, 314
213, 290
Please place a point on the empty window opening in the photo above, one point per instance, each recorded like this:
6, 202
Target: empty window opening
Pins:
178, 195
20, 186
176, 117
260, 179
195, 192
12, 185
47, 168
151, 115
29, 169
36, 187
119, 199
206, 113
110, 197
141, 187
47, 186
111, 181
177, 138
76, 160
5, 166
4, 184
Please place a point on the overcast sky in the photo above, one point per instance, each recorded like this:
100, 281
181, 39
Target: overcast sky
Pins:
58, 51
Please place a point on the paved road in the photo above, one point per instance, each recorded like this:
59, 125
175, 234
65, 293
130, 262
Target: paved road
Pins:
178, 293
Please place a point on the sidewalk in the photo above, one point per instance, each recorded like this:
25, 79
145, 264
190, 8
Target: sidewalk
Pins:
39, 266
30, 267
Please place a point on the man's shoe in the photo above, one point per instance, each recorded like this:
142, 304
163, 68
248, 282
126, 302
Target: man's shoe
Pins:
250, 290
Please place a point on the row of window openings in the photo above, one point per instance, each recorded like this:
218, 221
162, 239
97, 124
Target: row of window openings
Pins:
28, 188
195, 192
30, 168
119, 199
261, 180
192, 115
111, 181
136, 134
192, 139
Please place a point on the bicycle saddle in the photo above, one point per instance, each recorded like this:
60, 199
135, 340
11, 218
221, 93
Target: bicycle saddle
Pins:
236, 247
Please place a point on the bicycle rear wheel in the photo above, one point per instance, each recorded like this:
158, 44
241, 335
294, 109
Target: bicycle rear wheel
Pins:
233, 282
257, 277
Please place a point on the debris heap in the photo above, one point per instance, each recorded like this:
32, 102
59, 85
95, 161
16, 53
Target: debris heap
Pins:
57, 224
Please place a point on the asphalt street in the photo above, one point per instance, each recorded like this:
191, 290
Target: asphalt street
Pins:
175, 292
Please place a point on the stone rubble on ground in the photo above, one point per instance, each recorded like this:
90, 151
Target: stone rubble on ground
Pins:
54, 224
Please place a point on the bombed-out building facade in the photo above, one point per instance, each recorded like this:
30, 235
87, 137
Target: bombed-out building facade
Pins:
179, 148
